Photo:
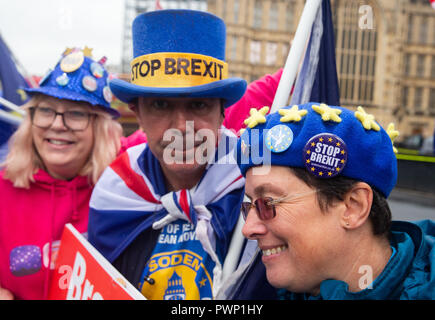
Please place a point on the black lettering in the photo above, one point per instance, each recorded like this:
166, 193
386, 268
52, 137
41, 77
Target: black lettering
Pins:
196, 66
144, 74
170, 66
207, 69
183, 64
134, 71
220, 71
215, 73
155, 65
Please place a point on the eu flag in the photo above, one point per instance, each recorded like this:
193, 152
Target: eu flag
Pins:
317, 81
10, 81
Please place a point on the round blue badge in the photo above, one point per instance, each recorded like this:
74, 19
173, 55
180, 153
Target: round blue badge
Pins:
279, 138
325, 155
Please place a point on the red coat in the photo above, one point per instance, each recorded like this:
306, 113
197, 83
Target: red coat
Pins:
32, 218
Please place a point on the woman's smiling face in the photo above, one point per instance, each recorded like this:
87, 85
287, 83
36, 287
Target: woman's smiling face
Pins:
299, 243
63, 152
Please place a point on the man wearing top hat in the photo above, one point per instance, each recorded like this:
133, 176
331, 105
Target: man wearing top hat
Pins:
164, 212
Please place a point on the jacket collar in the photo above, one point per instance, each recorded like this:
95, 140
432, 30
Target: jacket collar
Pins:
406, 241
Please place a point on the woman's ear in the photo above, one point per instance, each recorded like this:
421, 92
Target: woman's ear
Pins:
358, 203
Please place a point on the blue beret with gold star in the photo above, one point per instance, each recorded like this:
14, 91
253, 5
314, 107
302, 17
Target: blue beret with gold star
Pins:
327, 141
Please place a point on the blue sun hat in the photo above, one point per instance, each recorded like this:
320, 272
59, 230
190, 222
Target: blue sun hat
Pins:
327, 141
179, 53
78, 77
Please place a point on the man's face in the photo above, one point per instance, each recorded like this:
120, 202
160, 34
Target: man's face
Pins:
179, 130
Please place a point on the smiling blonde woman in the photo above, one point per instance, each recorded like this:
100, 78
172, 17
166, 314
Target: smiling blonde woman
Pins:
67, 138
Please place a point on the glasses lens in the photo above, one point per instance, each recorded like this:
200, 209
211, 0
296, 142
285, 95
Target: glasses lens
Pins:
76, 120
43, 117
265, 210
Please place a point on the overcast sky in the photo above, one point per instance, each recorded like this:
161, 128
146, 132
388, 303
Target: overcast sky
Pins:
38, 31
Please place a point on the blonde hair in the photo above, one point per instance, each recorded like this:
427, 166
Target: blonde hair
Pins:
23, 160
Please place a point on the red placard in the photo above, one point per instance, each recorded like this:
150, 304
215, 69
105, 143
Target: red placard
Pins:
82, 273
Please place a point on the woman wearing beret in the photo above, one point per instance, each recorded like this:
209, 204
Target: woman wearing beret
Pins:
64, 143
317, 179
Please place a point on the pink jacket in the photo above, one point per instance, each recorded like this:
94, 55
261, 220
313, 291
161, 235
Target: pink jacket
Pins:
259, 93
31, 219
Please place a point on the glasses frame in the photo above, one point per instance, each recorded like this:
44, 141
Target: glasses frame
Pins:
261, 203
62, 114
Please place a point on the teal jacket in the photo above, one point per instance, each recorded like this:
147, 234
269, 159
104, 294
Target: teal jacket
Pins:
409, 274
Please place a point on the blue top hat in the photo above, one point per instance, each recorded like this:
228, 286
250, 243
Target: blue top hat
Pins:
327, 141
79, 78
179, 53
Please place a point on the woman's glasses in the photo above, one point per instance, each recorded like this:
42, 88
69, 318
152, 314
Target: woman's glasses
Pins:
265, 207
75, 120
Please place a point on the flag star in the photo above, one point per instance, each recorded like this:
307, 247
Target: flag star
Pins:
393, 134
67, 51
367, 120
87, 52
293, 114
22, 93
327, 113
202, 282
256, 117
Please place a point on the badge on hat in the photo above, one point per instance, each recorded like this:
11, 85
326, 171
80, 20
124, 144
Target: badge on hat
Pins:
97, 70
325, 155
89, 83
72, 61
279, 138
62, 80
107, 93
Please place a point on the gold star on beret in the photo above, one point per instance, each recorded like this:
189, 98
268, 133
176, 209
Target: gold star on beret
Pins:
327, 113
67, 51
87, 52
367, 120
293, 114
393, 134
256, 117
